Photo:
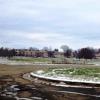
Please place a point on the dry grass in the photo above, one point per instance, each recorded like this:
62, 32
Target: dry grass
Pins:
17, 70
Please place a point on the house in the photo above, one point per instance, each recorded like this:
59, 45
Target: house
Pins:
31, 53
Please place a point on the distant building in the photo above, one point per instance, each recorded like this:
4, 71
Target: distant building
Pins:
36, 53
31, 53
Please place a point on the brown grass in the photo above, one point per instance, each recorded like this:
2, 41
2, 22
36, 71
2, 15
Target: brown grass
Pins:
17, 71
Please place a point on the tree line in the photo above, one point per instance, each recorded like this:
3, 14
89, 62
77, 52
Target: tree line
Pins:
85, 53
5, 52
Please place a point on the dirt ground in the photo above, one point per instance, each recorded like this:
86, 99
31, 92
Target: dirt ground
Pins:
16, 71
8, 72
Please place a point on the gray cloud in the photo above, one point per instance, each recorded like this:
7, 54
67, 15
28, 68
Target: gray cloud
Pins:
55, 22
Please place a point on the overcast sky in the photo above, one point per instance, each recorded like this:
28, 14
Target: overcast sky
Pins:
52, 23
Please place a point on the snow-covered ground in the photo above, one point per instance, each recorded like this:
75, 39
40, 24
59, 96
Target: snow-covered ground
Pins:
64, 78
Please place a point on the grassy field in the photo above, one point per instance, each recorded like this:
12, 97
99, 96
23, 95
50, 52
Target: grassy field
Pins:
27, 59
55, 60
17, 70
90, 72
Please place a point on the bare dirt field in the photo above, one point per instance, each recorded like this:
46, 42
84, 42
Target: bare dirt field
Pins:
17, 70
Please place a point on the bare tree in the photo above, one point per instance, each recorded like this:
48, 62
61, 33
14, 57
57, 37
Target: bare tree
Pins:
64, 48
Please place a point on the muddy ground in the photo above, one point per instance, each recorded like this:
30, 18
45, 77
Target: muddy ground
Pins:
12, 75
